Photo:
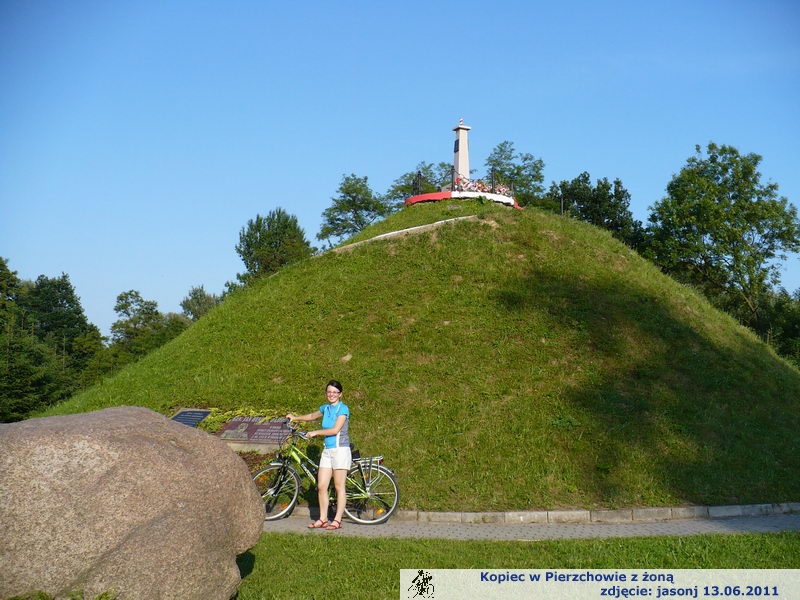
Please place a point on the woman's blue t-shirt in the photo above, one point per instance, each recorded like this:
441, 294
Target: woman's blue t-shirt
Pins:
330, 412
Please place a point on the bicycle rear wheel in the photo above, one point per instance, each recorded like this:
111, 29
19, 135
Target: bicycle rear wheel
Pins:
279, 486
372, 493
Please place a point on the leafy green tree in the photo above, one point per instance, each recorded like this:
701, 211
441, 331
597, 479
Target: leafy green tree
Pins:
426, 178
9, 286
355, 207
53, 312
84, 348
268, 243
141, 327
779, 323
198, 302
722, 230
605, 205
520, 171
32, 376
171, 326
105, 363
137, 316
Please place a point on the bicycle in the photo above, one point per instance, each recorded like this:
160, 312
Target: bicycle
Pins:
371, 487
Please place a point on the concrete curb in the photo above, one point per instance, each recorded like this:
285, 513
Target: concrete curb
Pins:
628, 515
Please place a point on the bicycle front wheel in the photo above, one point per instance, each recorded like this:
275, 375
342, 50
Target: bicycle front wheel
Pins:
372, 493
279, 486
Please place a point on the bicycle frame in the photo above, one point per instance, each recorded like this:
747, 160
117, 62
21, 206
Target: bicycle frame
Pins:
290, 452
300, 458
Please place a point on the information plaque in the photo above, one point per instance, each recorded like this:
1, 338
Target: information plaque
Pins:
190, 416
250, 434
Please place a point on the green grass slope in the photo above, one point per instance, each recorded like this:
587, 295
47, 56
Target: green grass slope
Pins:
511, 361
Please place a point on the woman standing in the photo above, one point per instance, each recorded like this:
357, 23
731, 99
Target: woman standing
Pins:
335, 460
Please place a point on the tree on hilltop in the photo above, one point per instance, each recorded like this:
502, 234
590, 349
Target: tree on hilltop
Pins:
605, 205
521, 171
198, 302
426, 178
779, 323
354, 208
721, 229
268, 243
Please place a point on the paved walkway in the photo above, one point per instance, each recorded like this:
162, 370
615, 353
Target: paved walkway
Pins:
561, 524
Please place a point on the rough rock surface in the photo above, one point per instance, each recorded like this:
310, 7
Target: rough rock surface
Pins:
122, 499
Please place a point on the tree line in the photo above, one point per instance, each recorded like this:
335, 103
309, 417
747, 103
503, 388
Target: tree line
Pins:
719, 228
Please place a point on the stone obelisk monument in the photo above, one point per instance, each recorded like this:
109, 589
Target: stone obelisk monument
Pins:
461, 151
461, 186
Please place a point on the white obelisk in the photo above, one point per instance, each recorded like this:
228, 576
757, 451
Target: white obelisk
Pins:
461, 152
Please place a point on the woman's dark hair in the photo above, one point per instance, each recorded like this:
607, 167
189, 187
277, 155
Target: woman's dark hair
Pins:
334, 383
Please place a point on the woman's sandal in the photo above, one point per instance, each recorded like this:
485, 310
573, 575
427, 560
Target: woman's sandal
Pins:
335, 524
318, 524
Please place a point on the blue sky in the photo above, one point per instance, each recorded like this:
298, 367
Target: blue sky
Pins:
137, 138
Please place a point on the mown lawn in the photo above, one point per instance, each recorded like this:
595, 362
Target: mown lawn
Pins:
296, 567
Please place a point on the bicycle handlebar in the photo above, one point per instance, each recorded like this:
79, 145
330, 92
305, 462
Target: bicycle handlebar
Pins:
293, 428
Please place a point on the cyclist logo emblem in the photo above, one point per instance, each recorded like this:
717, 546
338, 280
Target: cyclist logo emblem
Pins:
422, 585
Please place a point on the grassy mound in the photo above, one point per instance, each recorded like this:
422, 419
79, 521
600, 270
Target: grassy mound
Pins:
512, 360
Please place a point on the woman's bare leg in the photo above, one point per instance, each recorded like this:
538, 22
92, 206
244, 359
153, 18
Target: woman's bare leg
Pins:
339, 479
323, 481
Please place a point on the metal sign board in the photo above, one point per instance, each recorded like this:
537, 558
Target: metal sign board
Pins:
190, 416
249, 433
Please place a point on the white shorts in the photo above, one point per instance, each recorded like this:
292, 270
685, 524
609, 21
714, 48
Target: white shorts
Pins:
335, 458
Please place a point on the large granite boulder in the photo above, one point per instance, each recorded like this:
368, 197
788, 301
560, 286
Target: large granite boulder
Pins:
122, 499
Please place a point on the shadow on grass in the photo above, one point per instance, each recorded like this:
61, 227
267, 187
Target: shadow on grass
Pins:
246, 563
675, 387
